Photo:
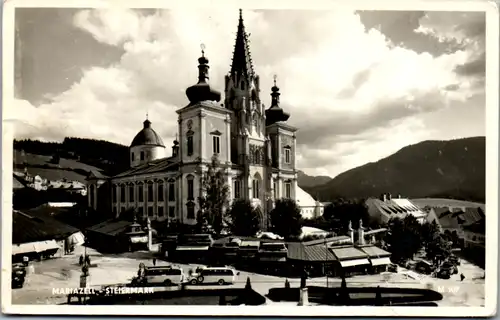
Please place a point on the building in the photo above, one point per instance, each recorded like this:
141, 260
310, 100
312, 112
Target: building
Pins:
452, 221
386, 207
256, 148
309, 208
37, 236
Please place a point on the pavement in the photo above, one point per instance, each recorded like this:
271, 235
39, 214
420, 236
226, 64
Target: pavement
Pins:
113, 269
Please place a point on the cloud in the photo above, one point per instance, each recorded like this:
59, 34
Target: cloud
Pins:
354, 94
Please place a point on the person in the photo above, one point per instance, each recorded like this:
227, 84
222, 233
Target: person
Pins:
87, 260
81, 260
462, 277
154, 261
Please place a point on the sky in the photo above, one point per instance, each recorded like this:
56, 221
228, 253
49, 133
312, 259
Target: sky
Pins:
359, 85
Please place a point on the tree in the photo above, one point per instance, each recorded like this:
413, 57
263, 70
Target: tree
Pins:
215, 196
403, 237
341, 212
243, 218
286, 219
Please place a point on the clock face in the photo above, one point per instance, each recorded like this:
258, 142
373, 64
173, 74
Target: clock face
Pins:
190, 124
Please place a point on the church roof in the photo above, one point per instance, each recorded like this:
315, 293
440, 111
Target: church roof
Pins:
157, 166
147, 136
242, 61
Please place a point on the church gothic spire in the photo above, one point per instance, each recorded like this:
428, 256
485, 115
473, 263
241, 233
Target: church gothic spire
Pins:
242, 60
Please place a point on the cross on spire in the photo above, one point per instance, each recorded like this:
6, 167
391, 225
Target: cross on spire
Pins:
202, 46
274, 78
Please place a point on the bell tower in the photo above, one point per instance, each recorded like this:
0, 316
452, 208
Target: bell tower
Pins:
242, 92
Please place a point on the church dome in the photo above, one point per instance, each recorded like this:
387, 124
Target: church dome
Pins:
147, 136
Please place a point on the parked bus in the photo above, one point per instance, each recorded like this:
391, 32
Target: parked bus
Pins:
219, 275
166, 275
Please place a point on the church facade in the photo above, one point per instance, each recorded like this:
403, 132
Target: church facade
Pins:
256, 148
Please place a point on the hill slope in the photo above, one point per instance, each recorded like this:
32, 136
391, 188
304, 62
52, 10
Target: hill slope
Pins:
437, 169
305, 181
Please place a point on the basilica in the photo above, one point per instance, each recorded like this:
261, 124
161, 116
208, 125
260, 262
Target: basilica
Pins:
255, 146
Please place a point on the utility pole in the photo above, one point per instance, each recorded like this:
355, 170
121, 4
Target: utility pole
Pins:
326, 263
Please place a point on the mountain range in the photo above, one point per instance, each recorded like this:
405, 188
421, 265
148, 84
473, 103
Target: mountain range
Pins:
438, 169
429, 169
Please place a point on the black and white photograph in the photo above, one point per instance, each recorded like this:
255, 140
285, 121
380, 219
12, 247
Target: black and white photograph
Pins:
236, 159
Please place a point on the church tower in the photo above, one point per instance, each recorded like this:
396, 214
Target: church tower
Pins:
204, 132
248, 129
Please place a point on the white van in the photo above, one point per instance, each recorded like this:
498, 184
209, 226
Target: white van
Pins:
219, 275
166, 275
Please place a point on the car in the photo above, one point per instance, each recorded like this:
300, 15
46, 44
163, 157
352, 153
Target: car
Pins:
455, 260
453, 269
18, 275
157, 275
392, 268
219, 275
443, 274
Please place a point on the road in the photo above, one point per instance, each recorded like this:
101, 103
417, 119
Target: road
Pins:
112, 269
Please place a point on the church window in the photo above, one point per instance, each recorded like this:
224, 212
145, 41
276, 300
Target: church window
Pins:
190, 148
171, 211
142, 155
257, 156
288, 190
160, 211
150, 192
216, 144
288, 155
122, 194
275, 190
242, 85
160, 191
150, 211
171, 191
190, 187
131, 193
114, 211
113, 193
190, 210
140, 191
133, 158
140, 211
237, 189
255, 188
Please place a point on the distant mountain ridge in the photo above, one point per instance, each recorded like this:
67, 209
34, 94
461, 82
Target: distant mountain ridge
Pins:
439, 169
305, 180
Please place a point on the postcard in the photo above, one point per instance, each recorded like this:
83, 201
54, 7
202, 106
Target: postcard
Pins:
319, 158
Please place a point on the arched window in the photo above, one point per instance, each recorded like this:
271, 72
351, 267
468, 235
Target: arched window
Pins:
242, 85
132, 156
190, 187
142, 155
190, 210
256, 186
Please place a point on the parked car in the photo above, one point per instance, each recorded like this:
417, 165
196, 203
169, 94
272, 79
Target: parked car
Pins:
166, 275
18, 275
219, 275
424, 267
453, 269
454, 259
443, 274
392, 268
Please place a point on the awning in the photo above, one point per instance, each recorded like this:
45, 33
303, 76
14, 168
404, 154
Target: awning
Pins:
380, 261
191, 248
76, 239
355, 262
46, 245
271, 258
140, 239
34, 247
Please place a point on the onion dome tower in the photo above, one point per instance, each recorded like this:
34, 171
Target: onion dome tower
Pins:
146, 146
275, 113
202, 90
